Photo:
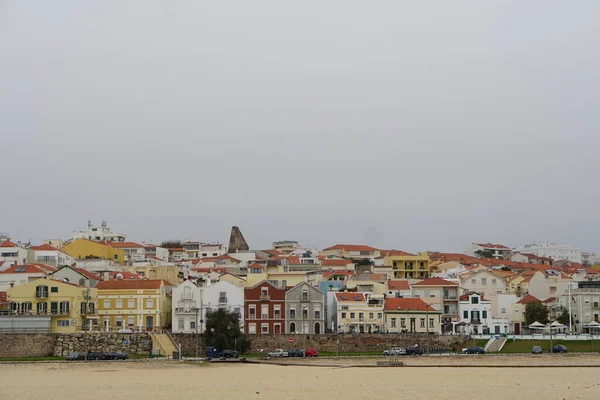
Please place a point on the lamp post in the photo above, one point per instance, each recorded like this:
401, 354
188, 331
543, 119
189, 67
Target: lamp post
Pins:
551, 346
197, 310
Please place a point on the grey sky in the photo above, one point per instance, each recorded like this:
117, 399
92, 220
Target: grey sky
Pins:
412, 125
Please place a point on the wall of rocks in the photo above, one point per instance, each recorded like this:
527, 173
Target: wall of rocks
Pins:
26, 345
139, 343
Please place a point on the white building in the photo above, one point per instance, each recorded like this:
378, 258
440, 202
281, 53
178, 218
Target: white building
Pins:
12, 254
49, 255
475, 313
590, 259
193, 304
21, 274
552, 250
97, 233
497, 251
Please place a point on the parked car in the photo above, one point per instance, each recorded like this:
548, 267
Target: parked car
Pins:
415, 350
395, 351
95, 355
125, 330
537, 350
311, 353
475, 350
75, 357
296, 353
115, 355
279, 353
229, 354
559, 348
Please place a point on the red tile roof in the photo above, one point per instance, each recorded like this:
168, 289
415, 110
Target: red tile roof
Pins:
255, 265
272, 252
25, 269
398, 285
435, 282
8, 243
125, 275
122, 245
176, 250
350, 296
123, 284
351, 247
528, 299
45, 267
460, 258
549, 300
386, 253
492, 246
406, 304
86, 273
208, 270
44, 247
466, 296
335, 262
3, 297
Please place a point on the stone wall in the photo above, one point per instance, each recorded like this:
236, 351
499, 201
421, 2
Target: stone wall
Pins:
140, 343
328, 342
26, 345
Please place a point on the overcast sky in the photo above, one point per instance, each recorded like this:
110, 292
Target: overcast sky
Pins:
408, 125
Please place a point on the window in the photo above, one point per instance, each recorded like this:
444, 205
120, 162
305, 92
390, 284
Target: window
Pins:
304, 295
54, 307
83, 308
484, 314
343, 315
293, 313
503, 311
466, 314
277, 311
192, 325
106, 304
54, 289
252, 328
204, 254
264, 328
119, 304
552, 289
446, 309
393, 320
41, 291
317, 314
119, 321
379, 315
403, 322
149, 303
252, 310
116, 257
64, 307
473, 281
494, 282
305, 313
215, 254
42, 308
180, 323
293, 327
422, 322
371, 315
431, 322
238, 311
484, 281
264, 291
352, 315
474, 300
63, 323
284, 283
130, 320
264, 311
131, 303
516, 313
222, 297
274, 283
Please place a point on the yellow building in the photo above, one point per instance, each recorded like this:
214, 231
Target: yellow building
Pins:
411, 316
169, 273
409, 266
81, 249
71, 307
233, 279
279, 276
134, 304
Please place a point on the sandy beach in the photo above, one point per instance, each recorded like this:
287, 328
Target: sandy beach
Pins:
162, 380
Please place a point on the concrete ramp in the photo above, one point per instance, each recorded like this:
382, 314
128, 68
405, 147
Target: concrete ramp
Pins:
163, 343
495, 345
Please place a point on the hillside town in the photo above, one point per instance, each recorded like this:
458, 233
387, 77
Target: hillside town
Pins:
99, 281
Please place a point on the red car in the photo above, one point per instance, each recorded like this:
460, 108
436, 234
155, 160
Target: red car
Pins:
310, 353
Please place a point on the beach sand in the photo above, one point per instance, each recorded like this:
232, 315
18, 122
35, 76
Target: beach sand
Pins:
163, 380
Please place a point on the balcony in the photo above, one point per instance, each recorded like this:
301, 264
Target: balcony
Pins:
187, 296
450, 297
264, 297
475, 321
252, 316
264, 316
222, 300
185, 310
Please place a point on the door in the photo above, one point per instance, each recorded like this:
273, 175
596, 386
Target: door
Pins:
517, 328
317, 328
497, 330
413, 324
596, 317
277, 328
149, 322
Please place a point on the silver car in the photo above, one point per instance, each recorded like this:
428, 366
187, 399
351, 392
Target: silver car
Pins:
395, 351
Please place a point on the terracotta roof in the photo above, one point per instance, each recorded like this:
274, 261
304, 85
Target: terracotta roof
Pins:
526, 280
44, 247
255, 265
272, 252
208, 270
491, 246
350, 296
3, 297
351, 247
8, 243
328, 274
385, 253
125, 275
398, 285
466, 296
45, 267
406, 304
122, 284
528, 299
331, 262
549, 300
86, 273
176, 250
460, 258
293, 260
435, 282
25, 269
122, 245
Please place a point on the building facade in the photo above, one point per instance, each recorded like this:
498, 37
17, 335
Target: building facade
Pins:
99, 233
475, 314
304, 310
411, 315
82, 249
442, 296
351, 251
354, 314
49, 255
554, 251
408, 266
264, 308
497, 251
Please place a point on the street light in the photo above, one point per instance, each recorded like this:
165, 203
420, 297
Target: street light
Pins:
197, 310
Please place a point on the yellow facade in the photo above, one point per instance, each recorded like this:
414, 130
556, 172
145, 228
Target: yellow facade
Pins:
277, 278
81, 249
233, 279
409, 267
169, 273
139, 308
71, 308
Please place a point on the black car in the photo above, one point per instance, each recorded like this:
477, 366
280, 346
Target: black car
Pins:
296, 353
75, 357
117, 355
536, 350
559, 348
95, 355
229, 354
475, 350
414, 350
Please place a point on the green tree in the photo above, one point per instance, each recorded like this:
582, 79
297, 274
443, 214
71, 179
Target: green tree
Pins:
564, 318
536, 312
223, 331
169, 244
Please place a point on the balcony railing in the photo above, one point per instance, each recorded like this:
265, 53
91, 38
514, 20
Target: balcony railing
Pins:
185, 310
222, 300
264, 316
264, 297
475, 320
37, 313
187, 296
450, 297
252, 316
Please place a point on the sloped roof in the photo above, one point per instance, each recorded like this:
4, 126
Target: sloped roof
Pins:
8, 243
125, 275
398, 284
335, 262
435, 282
352, 247
122, 245
329, 274
272, 252
44, 247
25, 269
492, 246
466, 296
386, 253
406, 304
122, 284
86, 273
350, 296
528, 299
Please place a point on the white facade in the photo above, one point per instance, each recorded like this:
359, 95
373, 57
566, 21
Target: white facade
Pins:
548, 284
54, 258
590, 259
475, 313
101, 232
552, 250
191, 304
483, 281
16, 279
12, 254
